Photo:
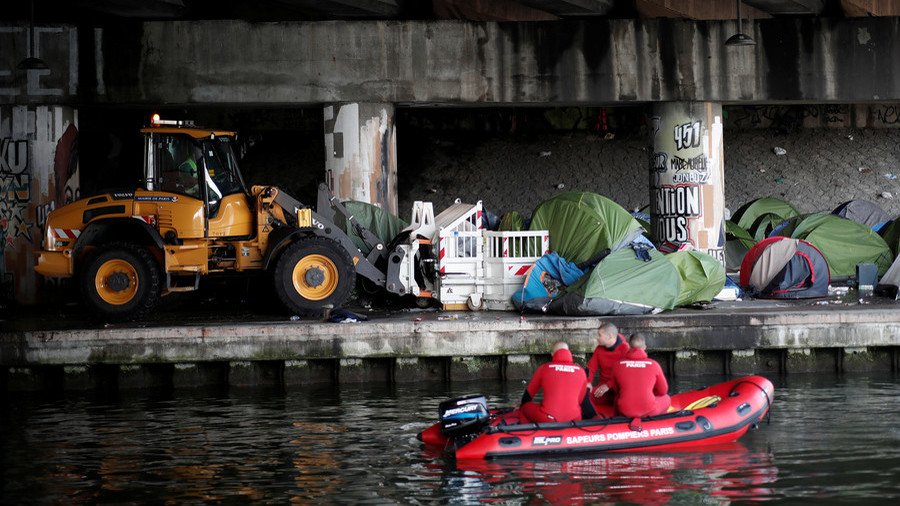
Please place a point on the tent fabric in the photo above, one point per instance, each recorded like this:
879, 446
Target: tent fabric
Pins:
737, 242
891, 235
889, 284
785, 268
843, 242
622, 284
512, 222
863, 211
750, 212
764, 225
383, 224
702, 276
543, 282
582, 224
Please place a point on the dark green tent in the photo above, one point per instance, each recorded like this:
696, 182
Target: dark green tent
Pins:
702, 276
737, 242
891, 235
844, 243
582, 224
383, 224
746, 217
512, 222
623, 284
764, 225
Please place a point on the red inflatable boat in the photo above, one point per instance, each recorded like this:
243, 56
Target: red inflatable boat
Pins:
719, 414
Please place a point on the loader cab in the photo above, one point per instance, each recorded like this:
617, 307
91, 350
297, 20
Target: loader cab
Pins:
199, 167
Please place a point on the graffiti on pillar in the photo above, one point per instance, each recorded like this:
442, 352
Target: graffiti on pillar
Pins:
676, 205
685, 164
15, 192
687, 135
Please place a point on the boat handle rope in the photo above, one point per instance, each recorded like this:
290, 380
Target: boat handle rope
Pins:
761, 389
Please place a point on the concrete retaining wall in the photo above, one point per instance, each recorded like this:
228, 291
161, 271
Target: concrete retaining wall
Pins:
476, 346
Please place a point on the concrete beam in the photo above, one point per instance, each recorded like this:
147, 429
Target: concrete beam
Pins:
864, 8
569, 62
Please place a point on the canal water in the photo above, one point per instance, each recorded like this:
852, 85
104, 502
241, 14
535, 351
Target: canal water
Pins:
830, 439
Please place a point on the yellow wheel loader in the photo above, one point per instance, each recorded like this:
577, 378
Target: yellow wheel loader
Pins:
194, 216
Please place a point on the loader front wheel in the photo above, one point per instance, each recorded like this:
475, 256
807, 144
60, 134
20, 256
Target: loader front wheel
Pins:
121, 282
313, 273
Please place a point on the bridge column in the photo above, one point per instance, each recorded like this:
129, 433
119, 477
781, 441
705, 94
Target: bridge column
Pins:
687, 184
361, 153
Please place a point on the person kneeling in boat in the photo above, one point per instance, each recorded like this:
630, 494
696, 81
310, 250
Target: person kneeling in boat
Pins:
642, 388
565, 390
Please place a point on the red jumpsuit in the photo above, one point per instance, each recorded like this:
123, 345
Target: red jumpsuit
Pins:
641, 385
603, 359
565, 389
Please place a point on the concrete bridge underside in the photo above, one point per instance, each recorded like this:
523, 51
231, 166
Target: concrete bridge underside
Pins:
810, 60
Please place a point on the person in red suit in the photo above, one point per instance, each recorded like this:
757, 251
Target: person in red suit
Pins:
643, 389
611, 347
565, 390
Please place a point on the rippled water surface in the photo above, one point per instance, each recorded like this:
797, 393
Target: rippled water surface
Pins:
830, 440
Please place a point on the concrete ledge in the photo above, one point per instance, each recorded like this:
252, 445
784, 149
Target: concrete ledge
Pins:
474, 334
474, 346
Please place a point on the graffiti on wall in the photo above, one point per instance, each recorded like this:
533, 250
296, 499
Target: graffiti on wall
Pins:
15, 192
39, 172
788, 118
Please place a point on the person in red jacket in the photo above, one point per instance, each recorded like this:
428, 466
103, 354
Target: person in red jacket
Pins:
643, 389
611, 347
565, 390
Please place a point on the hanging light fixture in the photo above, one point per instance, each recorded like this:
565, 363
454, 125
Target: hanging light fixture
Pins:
740, 38
32, 62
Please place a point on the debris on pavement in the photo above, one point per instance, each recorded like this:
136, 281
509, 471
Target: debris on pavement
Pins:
779, 151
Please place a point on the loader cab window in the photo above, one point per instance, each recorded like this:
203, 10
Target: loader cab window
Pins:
223, 177
178, 162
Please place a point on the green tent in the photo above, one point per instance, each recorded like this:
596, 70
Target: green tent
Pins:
702, 276
512, 222
383, 224
737, 243
844, 243
891, 235
764, 225
747, 216
622, 284
582, 224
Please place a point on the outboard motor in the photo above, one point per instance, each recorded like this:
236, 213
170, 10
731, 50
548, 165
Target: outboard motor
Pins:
463, 415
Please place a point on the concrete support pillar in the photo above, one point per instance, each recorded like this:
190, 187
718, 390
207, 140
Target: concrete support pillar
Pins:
687, 183
361, 153
38, 173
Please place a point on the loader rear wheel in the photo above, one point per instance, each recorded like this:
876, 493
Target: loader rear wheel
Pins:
121, 282
313, 273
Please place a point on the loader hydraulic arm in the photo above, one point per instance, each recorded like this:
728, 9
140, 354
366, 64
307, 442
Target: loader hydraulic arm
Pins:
322, 224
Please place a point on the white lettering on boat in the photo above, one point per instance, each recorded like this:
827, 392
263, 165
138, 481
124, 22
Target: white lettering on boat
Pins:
618, 436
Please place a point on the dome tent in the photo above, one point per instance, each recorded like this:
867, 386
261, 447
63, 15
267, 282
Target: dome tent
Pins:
863, 211
582, 224
785, 268
749, 214
843, 242
702, 276
622, 284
